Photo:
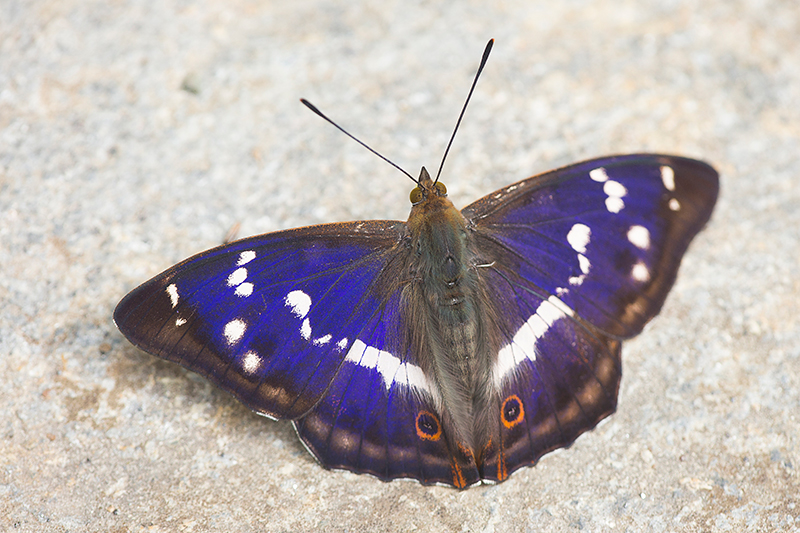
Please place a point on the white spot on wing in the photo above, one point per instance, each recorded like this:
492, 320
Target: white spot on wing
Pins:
234, 330
342, 344
322, 341
523, 345
578, 237
300, 303
639, 272
245, 257
674, 204
668, 177
614, 205
412, 375
305, 329
172, 291
615, 191
639, 236
180, 321
237, 276
556, 309
598, 174
391, 369
251, 362
245, 289
584, 263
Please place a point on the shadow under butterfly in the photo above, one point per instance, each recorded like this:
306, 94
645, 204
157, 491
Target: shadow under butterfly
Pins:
453, 348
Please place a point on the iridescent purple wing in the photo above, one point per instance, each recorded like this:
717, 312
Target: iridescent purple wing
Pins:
577, 259
271, 318
556, 376
605, 236
381, 413
308, 325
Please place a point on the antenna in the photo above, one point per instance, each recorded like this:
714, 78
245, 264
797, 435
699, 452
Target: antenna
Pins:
485, 57
474, 82
313, 108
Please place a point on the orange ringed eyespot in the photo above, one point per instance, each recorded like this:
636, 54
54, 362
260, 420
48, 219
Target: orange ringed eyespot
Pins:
428, 426
512, 412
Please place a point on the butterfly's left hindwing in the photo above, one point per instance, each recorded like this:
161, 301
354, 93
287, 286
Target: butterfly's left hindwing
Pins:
269, 318
381, 414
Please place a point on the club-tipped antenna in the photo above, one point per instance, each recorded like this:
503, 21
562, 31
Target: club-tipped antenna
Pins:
313, 108
463, 109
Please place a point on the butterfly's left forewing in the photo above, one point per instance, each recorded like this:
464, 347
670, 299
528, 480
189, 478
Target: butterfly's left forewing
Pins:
270, 318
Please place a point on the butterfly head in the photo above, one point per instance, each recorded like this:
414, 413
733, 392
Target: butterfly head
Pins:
426, 188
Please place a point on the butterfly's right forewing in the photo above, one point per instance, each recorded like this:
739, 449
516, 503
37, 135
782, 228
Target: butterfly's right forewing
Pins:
605, 236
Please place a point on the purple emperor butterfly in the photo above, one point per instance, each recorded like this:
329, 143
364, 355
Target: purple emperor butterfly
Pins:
453, 348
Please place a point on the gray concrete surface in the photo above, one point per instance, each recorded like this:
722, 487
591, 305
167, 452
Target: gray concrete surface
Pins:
133, 134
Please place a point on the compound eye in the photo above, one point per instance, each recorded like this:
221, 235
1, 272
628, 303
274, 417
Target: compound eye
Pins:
416, 196
441, 190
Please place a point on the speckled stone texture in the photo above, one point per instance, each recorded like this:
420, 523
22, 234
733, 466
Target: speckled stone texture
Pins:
133, 134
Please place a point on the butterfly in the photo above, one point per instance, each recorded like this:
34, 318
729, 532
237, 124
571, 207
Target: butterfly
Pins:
453, 348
